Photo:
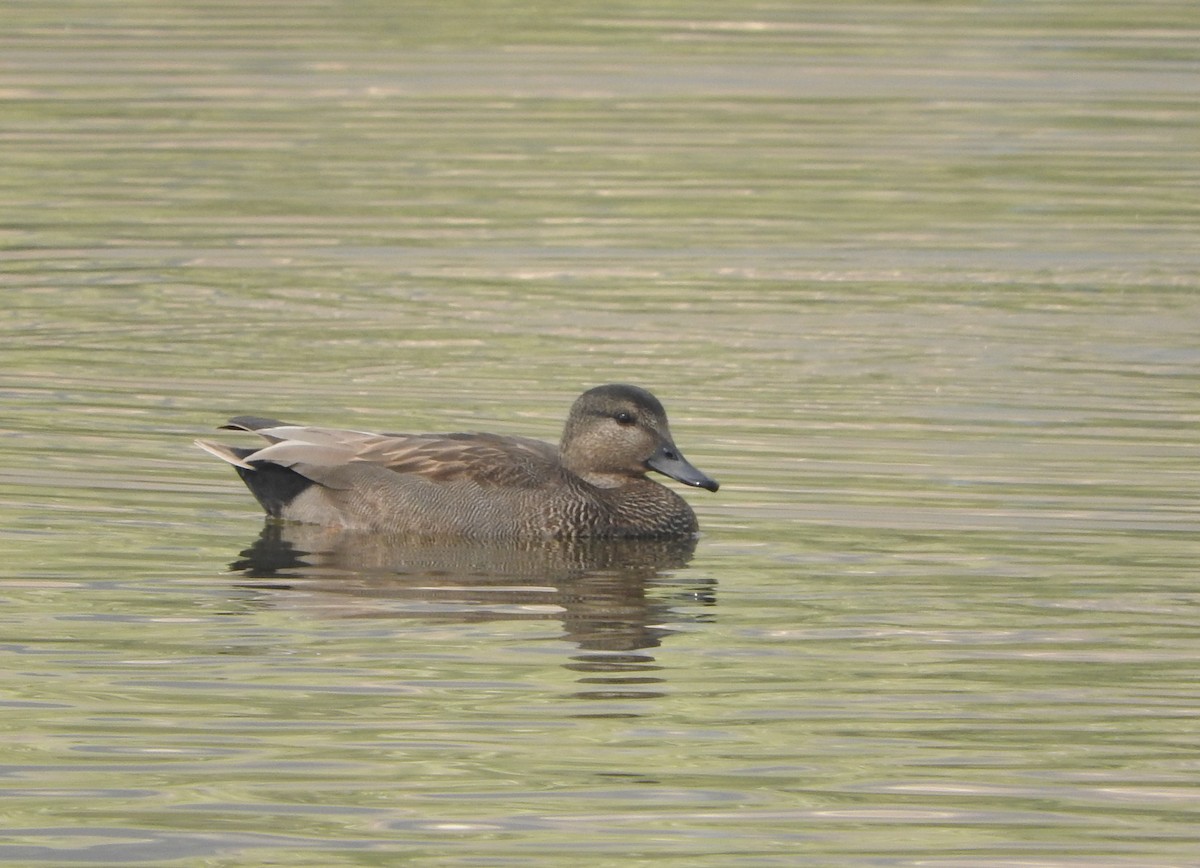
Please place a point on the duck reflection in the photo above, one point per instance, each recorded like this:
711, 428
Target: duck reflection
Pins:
596, 588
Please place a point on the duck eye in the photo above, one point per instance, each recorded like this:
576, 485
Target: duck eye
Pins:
624, 418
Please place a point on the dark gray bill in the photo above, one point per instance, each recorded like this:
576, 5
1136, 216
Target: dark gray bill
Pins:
670, 462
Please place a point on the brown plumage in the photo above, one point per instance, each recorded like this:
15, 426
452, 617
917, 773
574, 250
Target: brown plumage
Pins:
481, 486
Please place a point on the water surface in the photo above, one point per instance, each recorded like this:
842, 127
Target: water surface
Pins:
918, 284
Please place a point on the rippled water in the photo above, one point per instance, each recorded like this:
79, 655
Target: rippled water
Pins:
918, 284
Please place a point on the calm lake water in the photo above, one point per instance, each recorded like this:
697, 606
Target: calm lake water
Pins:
918, 283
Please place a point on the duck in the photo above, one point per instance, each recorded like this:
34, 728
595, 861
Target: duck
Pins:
593, 484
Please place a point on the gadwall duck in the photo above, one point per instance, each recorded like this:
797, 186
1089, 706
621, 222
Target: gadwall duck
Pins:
480, 486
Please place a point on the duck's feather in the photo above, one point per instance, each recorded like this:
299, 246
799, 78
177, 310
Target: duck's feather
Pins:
486, 459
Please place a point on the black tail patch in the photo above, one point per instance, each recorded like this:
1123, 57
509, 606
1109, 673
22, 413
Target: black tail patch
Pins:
272, 485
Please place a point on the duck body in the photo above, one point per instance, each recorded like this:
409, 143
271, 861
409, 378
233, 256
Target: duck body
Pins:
483, 486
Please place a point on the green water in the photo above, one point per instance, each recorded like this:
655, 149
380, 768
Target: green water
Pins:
918, 283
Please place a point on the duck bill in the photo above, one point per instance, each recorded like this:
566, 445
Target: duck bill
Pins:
669, 461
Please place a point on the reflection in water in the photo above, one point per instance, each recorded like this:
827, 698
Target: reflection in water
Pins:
597, 588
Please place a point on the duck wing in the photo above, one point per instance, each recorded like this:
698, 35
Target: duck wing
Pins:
487, 459
321, 454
